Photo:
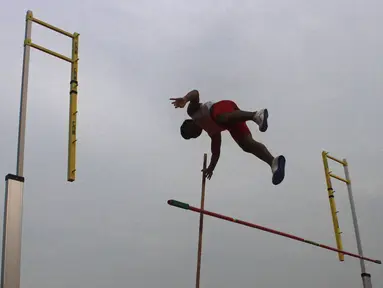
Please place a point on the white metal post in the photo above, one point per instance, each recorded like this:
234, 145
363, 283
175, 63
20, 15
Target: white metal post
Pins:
366, 278
11, 256
24, 96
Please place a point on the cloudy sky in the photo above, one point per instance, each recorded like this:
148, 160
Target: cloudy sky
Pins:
316, 65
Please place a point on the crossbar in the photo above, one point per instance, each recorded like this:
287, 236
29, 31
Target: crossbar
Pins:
338, 178
51, 27
50, 52
186, 206
336, 160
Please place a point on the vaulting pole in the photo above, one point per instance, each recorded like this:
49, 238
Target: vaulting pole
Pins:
230, 219
198, 276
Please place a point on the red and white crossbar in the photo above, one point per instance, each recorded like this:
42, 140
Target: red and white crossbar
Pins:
230, 219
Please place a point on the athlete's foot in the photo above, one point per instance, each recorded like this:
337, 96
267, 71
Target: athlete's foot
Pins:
260, 117
278, 169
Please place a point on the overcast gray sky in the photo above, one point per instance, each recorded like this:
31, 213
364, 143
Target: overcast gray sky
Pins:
316, 65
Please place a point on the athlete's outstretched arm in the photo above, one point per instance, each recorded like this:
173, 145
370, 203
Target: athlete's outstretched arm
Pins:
192, 97
216, 141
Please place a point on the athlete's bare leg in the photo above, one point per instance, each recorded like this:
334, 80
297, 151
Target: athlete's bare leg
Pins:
277, 164
249, 145
259, 117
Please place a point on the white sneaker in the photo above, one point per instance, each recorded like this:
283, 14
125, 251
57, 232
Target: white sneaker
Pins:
260, 118
278, 169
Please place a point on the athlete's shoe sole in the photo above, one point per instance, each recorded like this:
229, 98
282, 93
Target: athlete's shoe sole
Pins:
279, 174
263, 127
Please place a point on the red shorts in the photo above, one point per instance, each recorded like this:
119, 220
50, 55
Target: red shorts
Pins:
238, 130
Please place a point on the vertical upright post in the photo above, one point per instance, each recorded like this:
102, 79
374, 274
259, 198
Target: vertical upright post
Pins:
24, 95
330, 190
199, 257
366, 277
73, 110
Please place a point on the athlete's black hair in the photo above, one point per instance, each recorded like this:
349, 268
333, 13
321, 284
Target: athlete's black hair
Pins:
189, 129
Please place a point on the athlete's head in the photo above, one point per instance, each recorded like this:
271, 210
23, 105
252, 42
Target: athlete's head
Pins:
189, 129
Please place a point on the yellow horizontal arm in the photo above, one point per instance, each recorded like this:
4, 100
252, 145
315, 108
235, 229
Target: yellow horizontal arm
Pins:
38, 47
339, 178
49, 26
336, 160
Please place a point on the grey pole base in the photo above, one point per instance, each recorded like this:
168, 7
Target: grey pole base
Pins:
13, 208
366, 278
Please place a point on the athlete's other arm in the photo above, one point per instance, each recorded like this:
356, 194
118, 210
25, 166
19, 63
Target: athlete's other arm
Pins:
216, 141
192, 97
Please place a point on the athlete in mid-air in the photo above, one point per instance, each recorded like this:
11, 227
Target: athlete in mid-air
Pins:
225, 115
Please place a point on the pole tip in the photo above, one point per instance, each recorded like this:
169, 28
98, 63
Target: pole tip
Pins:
178, 204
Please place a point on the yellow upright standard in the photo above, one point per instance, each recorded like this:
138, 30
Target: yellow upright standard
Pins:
366, 277
73, 111
330, 190
13, 205
71, 170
